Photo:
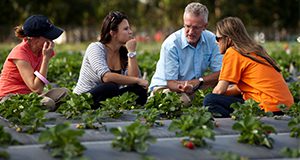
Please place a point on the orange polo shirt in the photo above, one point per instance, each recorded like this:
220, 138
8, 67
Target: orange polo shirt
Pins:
11, 81
260, 82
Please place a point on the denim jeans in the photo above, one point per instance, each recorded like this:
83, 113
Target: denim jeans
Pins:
219, 105
109, 90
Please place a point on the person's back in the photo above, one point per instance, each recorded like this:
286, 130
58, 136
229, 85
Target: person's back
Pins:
248, 72
257, 81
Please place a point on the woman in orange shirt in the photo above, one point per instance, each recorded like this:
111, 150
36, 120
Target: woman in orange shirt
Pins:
247, 72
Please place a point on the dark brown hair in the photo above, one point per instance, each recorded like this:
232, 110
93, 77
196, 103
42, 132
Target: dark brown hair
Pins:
111, 22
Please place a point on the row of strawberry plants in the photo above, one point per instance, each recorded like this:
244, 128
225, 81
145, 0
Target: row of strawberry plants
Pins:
254, 131
24, 112
194, 137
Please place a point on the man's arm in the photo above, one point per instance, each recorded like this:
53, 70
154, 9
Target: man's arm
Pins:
209, 81
188, 86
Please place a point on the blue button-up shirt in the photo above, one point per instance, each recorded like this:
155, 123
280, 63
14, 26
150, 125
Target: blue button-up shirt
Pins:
181, 61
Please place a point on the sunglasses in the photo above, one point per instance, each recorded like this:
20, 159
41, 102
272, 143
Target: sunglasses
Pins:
218, 39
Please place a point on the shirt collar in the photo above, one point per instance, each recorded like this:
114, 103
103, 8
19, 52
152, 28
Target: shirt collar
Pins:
185, 43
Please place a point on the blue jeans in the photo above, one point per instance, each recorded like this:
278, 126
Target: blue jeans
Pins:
109, 90
219, 105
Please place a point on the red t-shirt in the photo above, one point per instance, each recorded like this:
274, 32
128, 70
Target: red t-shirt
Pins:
260, 82
11, 81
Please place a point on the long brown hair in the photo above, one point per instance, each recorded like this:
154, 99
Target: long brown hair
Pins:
111, 22
233, 28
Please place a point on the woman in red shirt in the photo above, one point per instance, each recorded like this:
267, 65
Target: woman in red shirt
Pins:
247, 72
25, 69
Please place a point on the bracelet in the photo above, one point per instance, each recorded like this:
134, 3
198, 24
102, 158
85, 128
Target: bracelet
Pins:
41, 77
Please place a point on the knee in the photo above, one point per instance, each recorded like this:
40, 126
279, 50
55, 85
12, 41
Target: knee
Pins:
209, 99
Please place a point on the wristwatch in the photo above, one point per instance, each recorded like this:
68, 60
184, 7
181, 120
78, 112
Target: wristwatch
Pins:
131, 54
201, 80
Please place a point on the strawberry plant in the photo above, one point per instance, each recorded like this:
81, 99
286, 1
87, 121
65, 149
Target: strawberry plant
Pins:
24, 111
75, 105
6, 139
146, 63
248, 108
135, 137
196, 126
295, 90
64, 69
113, 107
32, 118
62, 141
294, 122
199, 97
290, 152
254, 131
168, 104
91, 119
150, 116
4, 155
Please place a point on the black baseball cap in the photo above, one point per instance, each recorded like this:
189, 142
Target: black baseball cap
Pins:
39, 25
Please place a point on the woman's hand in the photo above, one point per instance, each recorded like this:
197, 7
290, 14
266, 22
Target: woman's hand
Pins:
144, 83
131, 45
48, 49
221, 87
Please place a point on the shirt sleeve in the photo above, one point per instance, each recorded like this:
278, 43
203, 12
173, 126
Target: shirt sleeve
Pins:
216, 58
19, 54
232, 67
96, 56
171, 62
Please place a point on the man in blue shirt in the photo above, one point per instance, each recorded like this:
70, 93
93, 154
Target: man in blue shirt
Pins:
186, 54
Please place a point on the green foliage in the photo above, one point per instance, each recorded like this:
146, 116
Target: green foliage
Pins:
168, 104
4, 155
254, 131
199, 97
290, 152
75, 105
294, 122
135, 137
92, 119
113, 107
62, 141
196, 125
3, 56
295, 90
64, 69
248, 108
147, 63
6, 139
150, 116
24, 111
